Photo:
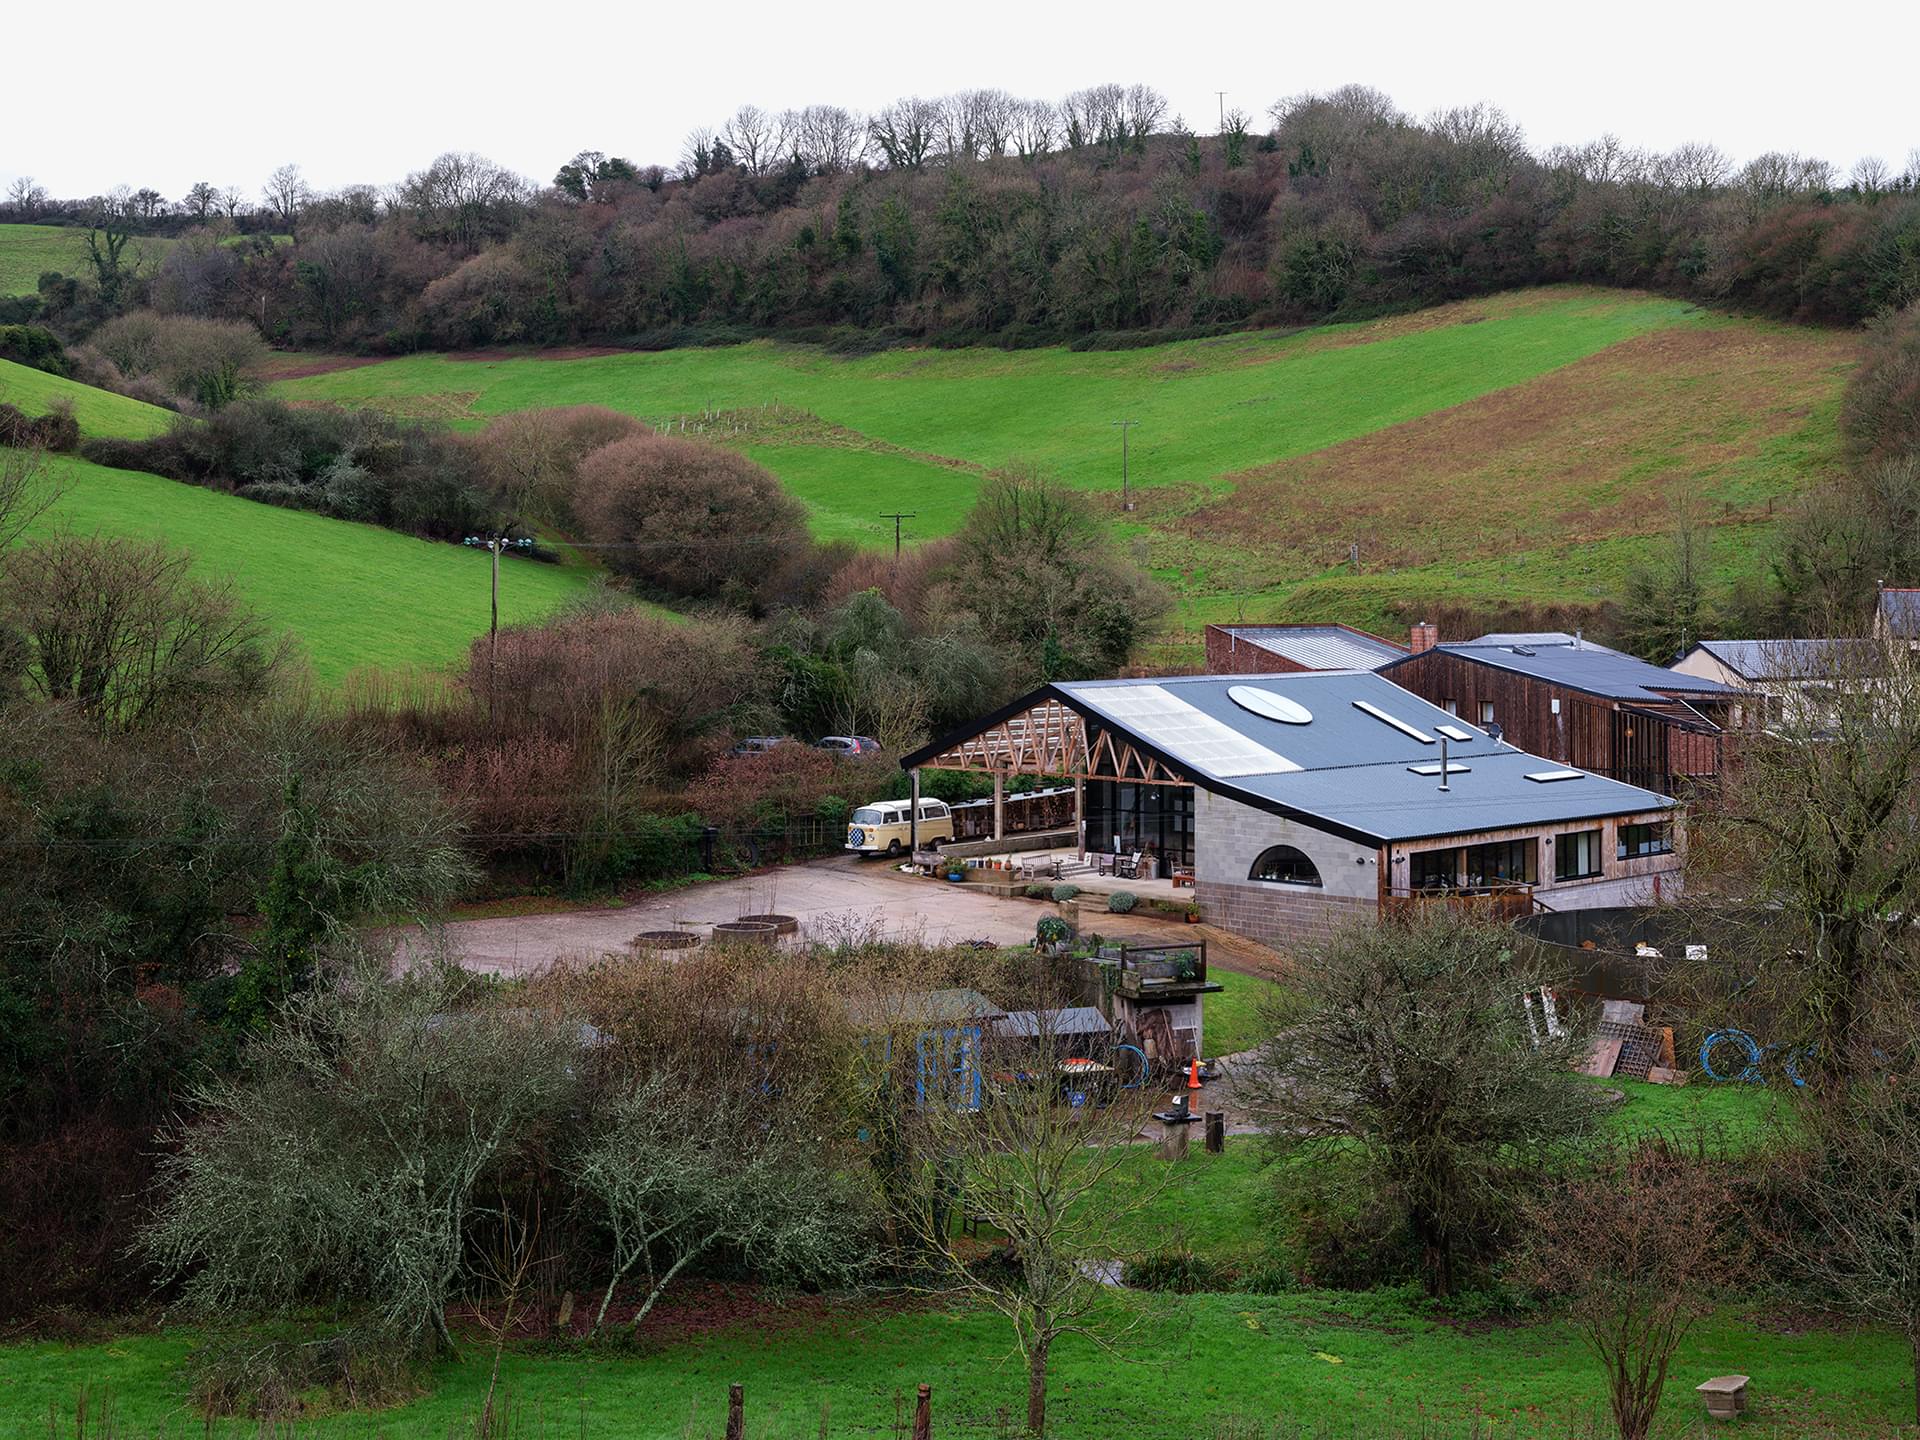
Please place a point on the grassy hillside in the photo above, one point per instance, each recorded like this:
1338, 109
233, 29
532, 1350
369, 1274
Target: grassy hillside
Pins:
27, 250
354, 595
100, 412
1525, 446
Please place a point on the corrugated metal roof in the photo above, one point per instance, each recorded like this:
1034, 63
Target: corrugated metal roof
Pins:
1593, 669
1900, 610
1788, 659
1353, 765
1319, 647
1073, 1020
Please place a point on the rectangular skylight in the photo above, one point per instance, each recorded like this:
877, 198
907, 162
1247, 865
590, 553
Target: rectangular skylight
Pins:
1434, 768
1405, 729
1454, 732
1188, 734
1547, 777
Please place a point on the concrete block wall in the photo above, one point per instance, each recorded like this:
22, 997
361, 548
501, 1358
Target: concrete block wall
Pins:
1283, 916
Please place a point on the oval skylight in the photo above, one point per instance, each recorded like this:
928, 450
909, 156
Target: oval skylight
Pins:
1270, 706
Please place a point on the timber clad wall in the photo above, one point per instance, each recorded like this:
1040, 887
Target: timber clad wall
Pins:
1632, 745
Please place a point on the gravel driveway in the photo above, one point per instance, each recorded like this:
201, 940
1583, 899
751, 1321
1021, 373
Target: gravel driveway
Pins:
827, 896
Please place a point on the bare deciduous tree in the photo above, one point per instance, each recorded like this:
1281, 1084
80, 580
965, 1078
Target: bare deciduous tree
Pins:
286, 194
753, 135
828, 139
28, 197
904, 135
1642, 1246
122, 630
1049, 1163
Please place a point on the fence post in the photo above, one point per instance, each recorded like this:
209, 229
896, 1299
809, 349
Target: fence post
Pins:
923, 1414
736, 1413
1216, 1132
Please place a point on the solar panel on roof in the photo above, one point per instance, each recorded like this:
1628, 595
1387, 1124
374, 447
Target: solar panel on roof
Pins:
1402, 726
1547, 777
1169, 723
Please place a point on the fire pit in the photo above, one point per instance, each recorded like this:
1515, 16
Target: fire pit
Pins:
746, 932
782, 924
664, 940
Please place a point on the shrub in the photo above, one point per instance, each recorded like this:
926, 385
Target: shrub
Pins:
698, 521
530, 459
1121, 902
208, 362
1037, 892
1064, 892
1052, 929
270, 1371
1176, 1269
34, 347
55, 430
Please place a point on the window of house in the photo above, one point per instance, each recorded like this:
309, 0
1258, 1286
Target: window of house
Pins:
1433, 869
1505, 862
1486, 712
1637, 841
1453, 707
1284, 865
1576, 856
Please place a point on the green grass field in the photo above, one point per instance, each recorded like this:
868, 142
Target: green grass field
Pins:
28, 250
99, 412
354, 595
1526, 447
1359, 1365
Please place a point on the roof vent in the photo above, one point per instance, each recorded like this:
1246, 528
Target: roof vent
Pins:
1269, 705
1521, 649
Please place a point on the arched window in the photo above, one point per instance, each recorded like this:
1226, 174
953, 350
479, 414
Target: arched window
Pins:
1286, 865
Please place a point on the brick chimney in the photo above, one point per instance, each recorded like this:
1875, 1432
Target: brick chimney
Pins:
1423, 636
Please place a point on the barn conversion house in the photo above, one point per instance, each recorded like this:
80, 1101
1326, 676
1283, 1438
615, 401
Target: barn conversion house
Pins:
1298, 802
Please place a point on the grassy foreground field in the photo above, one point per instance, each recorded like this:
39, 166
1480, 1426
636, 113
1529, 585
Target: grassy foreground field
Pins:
1359, 1365
26, 251
1528, 446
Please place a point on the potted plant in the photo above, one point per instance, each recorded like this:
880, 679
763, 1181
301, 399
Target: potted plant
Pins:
1193, 912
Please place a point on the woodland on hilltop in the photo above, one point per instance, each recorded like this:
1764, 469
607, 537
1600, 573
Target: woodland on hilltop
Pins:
981, 217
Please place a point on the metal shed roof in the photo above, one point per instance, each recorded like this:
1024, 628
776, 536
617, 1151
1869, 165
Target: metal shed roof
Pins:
1350, 767
1593, 670
1788, 659
1319, 647
1073, 1020
1900, 610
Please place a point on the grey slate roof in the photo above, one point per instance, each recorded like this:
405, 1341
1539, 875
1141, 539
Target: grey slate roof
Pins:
1592, 669
1900, 612
1352, 771
1319, 647
1759, 660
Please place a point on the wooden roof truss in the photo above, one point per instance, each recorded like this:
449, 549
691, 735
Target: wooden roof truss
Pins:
1053, 739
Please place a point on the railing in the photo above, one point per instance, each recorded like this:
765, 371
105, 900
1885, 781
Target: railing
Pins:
1151, 970
1499, 900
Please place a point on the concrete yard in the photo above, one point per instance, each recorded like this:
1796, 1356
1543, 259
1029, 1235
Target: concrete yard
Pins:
836, 896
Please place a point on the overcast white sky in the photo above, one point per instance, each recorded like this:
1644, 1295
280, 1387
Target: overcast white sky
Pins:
353, 91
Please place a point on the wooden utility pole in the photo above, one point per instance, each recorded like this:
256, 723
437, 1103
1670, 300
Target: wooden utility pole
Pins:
923, 1414
1126, 500
897, 516
736, 1413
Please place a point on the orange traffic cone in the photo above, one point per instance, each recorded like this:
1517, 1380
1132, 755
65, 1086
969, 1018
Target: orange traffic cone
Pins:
1193, 1076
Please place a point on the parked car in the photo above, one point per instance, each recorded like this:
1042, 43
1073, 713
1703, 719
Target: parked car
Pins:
848, 744
883, 827
759, 744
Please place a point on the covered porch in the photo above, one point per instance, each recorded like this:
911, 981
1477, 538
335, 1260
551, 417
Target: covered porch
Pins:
1132, 809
